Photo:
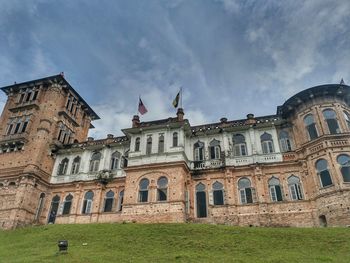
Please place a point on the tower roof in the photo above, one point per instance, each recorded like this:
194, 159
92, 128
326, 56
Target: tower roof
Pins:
52, 79
336, 90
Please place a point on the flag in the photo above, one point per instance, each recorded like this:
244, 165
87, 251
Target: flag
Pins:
342, 82
142, 108
176, 100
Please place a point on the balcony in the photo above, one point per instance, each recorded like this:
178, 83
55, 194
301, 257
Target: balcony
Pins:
289, 156
257, 158
207, 164
25, 106
68, 115
23, 136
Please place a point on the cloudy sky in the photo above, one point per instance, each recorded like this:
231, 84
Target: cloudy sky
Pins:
231, 57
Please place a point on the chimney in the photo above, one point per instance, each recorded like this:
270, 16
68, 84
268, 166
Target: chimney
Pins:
180, 114
250, 119
135, 121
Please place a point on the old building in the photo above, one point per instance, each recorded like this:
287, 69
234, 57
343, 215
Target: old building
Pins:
287, 169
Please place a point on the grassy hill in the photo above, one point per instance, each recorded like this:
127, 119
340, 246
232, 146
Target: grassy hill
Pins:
175, 243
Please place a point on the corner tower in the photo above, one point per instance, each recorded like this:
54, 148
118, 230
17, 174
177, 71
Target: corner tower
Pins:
38, 117
320, 118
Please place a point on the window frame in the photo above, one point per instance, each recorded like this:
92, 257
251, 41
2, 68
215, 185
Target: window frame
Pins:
162, 189
311, 127
320, 176
143, 193
330, 121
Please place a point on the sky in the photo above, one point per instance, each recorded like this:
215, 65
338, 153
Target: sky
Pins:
231, 57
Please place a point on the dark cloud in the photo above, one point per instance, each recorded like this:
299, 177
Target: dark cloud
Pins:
231, 57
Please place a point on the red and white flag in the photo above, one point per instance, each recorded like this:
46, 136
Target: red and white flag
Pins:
142, 108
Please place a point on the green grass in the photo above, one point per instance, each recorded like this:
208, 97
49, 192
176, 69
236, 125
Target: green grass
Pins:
175, 243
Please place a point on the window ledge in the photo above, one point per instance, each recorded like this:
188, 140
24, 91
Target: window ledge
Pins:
326, 187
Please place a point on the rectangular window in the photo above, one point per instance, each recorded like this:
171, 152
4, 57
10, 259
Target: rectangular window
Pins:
312, 131
21, 98
143, 196
35, 95
18, 125
24, 127
9, 129
218, 197
66, 208
108, 205
29, 94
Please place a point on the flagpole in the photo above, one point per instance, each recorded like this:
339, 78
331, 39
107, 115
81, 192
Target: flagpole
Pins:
181, 96
137, 111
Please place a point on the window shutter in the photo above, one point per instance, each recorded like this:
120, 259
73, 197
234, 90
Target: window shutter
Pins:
243, 197
273, 193
88, 207
299, 191
293, 192
254, 195
211, 199
60, 208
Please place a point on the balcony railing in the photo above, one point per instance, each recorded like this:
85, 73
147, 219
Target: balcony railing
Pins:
207, 164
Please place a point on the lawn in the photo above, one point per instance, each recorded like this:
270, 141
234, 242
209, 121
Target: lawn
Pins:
175, 243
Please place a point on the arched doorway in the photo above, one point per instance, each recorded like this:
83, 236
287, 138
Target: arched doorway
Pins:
54, 207
323, 220
201, 201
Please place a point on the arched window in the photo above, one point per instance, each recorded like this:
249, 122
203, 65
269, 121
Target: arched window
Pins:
239, 145
95, 161
331, 118
87, 204
161, 143
149, 145
175, 139
67, 204
143, 190
285, 141
266, 143
347, 118
218, 193
76, 165
246, 191
214, 149
120, 201
323, 173
115, 160
311, 126
198, 151
295, 189
137, 144
162, 191
62, 168
201, 200
275, 190
53, 210
109, 199
344, 162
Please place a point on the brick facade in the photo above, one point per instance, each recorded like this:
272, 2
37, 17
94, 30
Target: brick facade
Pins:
285, 169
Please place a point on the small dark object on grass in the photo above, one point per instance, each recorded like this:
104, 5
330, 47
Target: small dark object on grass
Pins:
62, 245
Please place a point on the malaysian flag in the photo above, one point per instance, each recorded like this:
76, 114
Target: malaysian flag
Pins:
142, 108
